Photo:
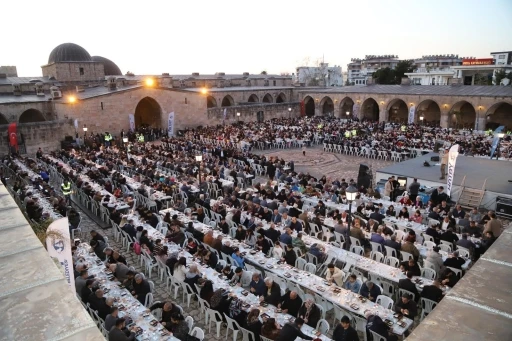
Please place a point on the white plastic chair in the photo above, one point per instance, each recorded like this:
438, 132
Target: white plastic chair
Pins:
197, 332
149, 300
204, 305
187, 290
232, 325
385, 301
377, 256
377, 337
190, 322
428, 273
426, 307
323, 326
390, 252
357, 250
405, 256
392, 261
216, 317
310, 267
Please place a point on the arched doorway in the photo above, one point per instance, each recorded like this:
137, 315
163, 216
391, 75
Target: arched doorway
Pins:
397, 111
148, 113
430, 111
268, 98
327, 106
309, 104
227, 101
253, 99
281, 98
211, 102
31, 115
370, 110
462, 115
3, 120
500, 114
346, 106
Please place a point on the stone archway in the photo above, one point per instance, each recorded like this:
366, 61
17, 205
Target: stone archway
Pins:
281, 98
31, 115
462, 115
397, 111
227, 101
370, 110
3, 120
430, 111
253, 99
327, 106
268, 98
211, 102
148, 113
309, 104
346, 106
500, 114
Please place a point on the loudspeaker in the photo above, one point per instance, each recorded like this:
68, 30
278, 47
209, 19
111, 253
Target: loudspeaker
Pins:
69, 138
364, 180
364, 169
438, 145
434, 158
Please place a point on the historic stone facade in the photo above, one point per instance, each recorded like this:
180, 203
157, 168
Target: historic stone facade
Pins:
75, 71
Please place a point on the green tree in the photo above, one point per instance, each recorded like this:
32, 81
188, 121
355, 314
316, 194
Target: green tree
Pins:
384, 76
498, 76
403, 66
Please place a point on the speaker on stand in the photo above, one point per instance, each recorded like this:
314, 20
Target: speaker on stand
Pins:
364, 178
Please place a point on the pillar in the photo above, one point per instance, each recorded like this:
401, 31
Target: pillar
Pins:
444, 118
337, 110
382, 113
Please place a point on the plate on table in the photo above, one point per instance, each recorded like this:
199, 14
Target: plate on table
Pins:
262, 262
245, 293
321, 289
354, 306
253, 252
287, 275
270, 266
402, 324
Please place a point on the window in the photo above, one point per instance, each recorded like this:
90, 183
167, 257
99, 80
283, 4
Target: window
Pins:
101, 105
81, 71
274, 82
501, 56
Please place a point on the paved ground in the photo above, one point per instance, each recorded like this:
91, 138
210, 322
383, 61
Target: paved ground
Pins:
319, 163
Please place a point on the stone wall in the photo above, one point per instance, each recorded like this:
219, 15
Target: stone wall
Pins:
44, 135
248, 113
242, 96
64, 72
13, 111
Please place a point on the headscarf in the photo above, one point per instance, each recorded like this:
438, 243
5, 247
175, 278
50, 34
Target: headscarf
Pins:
216, 298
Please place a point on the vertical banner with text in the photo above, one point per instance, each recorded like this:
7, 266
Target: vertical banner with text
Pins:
452, 159
59, 247
412, 111
132, 122
170, 124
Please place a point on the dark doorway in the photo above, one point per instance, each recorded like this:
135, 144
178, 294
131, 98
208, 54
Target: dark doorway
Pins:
148, 113
468, 80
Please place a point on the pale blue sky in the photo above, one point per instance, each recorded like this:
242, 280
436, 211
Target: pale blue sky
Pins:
151, 37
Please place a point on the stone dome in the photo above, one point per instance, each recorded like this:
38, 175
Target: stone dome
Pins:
69, 52
111, 69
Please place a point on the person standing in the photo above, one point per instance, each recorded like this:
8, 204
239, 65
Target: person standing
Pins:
444, 162
414, 190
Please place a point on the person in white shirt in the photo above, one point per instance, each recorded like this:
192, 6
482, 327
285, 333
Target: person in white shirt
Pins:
335, 274
180, 269
278, 251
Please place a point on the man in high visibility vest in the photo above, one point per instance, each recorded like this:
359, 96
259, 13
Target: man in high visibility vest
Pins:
347, 134
66, 190
108, 138
354, 132
403, 128
141, 138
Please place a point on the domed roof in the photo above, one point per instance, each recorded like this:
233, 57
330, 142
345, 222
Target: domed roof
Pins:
111, 69
69, 52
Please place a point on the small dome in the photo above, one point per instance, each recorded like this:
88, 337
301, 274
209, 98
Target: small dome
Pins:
69, 52
111, 69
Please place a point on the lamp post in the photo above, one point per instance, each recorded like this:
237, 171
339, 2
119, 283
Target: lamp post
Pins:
199, 158
351, 193
290, 112
85, 132
125, 141
500, 136
421, 119
238, 116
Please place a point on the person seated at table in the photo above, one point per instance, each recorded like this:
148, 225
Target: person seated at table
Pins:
263, 244
444, 209
406, 201
87, 290
238, 258
435, 258
406, 306
370, 291
295, 225
180, 205
390, 212
376, 325
270, 328
449, 236
357, 232
434, 232
253, 323
310, 313
318, 251
285, 219
392, 243
458, 212
110, 320
334, 275
433, 292
353, 284
408, 246
289, 255
434, 214
407, 284
140, 288
292, 331
179, 327
376, 215
344, 331
448, 278
298, 242
101, 304
466, 243
272, 233
418, 204
417, 217
454, 261
411, 265
272, 293
240, 277
120, 333
377, 236
487, 240
98, 247
257, 286
404, 213
475, 216
210, 258
226, 248
286, 236
96, 236
447, 223
250, 238
191, 246
240, 233
224, 226
290, 303
168, 308
206, 292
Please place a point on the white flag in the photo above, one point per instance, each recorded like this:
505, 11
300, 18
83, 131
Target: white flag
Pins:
412, 111
76, 124
452, 158
225, 113
60, 248
170, 124
132, 122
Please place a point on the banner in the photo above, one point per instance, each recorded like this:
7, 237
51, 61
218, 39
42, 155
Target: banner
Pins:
132, 122
496, 139
452, 158
224, 114
412, 111
60, 248
76, 124
13, 139
170, 124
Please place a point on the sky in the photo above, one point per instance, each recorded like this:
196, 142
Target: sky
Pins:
181, 37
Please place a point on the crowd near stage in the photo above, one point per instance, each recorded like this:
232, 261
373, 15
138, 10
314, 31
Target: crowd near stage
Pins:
470, 172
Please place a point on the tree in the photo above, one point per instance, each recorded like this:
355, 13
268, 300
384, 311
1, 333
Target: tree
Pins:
402, 67
498, 76
384, 76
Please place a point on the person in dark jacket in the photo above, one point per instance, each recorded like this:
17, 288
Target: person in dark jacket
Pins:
291, 331
310, 313
290, 303
263, 244
86, 291
375, 324
273, 293
433, 292
370, 291
290, 256
406, 306
100, 303
120, 333
408, 285
168, 308
414, 188
454, 261
98, 247
130, 229
140, 288
344, 331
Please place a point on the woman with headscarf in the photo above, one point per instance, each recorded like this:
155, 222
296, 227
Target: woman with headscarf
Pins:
179, 326
207, 291
310, 313
220, 301
270, 329
253, 323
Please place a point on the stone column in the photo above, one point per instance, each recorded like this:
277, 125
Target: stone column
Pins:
382, 114
444, 118
337, 111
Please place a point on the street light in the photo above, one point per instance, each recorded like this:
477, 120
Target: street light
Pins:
71, 99
149, 82
290, 112
421, 119
125, 141
351, 193
199, 158
238, 116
